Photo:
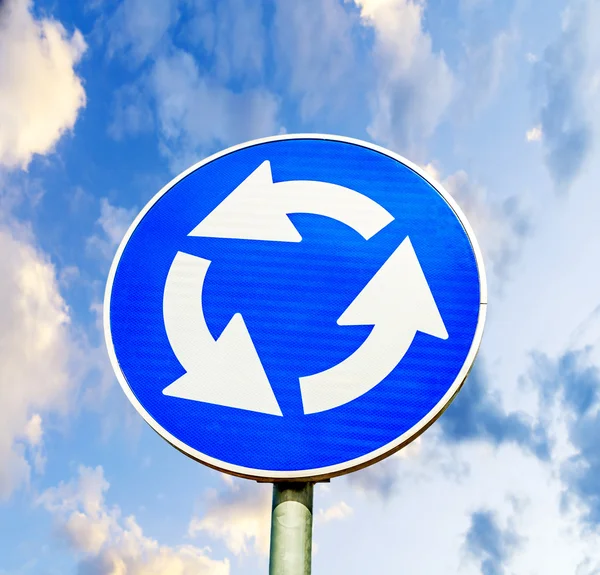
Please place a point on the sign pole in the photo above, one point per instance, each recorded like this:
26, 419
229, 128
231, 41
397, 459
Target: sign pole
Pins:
291, 529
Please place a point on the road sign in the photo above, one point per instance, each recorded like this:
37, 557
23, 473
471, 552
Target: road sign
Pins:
295, 307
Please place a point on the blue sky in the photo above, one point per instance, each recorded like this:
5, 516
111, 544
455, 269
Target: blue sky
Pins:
103, 102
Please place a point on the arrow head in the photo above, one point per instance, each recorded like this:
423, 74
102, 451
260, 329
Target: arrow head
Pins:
232, 375
225, 372
397, 293
251, 212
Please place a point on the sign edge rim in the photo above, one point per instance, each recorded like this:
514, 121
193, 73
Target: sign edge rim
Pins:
340, 468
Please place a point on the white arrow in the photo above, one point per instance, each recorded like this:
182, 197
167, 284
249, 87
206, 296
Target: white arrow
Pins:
397, 302
225, 372
257, 209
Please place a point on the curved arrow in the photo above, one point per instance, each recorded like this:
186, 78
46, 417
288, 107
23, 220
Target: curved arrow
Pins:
397, 302
257, 209
225, 372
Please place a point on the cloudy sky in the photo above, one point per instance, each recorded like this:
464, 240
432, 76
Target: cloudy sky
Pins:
103, 102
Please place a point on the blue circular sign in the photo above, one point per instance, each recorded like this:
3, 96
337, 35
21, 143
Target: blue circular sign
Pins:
295, 307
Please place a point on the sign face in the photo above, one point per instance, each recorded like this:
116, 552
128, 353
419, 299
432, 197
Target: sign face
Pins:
296, 307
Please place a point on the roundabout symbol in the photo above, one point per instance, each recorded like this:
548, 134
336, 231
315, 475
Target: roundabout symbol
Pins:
296, 307
397, 301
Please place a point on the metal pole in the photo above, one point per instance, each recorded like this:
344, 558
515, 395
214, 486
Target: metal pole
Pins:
291, 529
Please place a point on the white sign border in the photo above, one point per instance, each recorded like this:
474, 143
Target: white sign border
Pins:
332, 470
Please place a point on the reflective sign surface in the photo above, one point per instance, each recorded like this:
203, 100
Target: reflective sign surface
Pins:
295, 307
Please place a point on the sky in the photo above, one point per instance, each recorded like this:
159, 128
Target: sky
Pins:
103, 102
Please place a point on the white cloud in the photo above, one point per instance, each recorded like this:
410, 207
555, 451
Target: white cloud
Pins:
131, 113
336, 512
500, 225
432, 510
197, 105
588, 567
568, 80
35, 353
316, 53
113, 222
233, 35
532, 58
110, 544
196, 115
138, 27
415, 84
40, 93
412, 464
482, 69
33, 430
79, 505
240, 515
381, 479
534, 135
33, 435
